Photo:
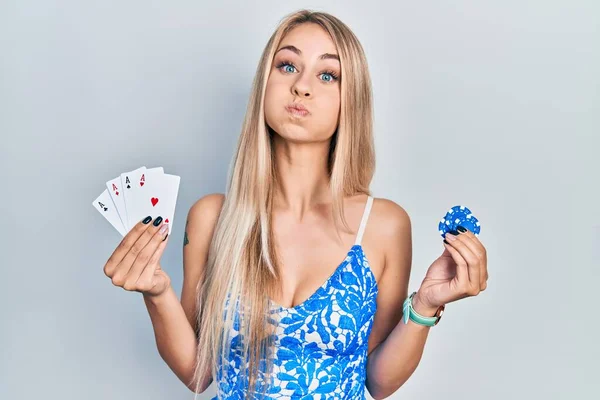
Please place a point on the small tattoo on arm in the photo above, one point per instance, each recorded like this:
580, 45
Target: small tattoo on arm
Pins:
185, 237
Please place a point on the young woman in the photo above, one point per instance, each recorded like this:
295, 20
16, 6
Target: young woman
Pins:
295, 281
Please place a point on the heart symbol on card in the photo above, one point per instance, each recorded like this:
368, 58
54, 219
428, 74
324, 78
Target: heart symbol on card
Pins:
154, 200
167, 221
142, 183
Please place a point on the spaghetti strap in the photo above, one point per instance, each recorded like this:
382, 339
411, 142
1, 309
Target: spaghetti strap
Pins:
363, 221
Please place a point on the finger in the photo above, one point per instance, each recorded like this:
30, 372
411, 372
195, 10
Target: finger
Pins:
471, 259
477, 247
125, 245
462, 269
147, 278
144, 259
126, 263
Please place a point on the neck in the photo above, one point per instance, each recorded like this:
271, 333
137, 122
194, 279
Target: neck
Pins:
302, 181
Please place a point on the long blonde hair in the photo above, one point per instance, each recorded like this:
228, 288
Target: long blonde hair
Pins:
242, 269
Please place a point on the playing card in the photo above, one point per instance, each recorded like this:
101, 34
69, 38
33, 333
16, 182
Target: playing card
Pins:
172, 185
132, 182
116, 193
158, 196
106, 207
134, 195
127, 179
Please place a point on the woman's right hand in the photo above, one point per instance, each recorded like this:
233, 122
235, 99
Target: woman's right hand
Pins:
135, 263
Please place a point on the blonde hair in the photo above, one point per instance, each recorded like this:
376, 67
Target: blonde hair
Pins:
242, 270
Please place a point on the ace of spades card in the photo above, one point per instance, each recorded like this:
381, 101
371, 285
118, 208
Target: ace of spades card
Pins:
104, 204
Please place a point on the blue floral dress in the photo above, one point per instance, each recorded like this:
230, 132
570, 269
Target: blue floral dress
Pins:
320, 344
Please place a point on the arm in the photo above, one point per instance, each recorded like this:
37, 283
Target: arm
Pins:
396, 348
174, 323
175, 338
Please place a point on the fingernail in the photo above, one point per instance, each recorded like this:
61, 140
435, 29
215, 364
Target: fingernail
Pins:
147, 219
450, 237
446, 242
163, 229
166, 237
461, 229
157, 221
454, 232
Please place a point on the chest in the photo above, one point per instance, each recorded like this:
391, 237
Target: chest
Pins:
311, 252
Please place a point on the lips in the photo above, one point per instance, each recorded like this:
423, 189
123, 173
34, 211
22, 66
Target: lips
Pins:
297, 109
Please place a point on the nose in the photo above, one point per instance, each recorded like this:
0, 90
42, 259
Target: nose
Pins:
301, 88
301, 93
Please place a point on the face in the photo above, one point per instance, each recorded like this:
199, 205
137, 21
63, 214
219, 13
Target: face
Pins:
305, 71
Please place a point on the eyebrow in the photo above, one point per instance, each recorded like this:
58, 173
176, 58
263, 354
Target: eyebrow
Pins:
326, 56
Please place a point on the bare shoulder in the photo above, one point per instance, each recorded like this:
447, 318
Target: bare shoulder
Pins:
392, 238
391, 219
206, 209
387, 236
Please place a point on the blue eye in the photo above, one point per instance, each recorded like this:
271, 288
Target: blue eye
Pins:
333, 76
289, 68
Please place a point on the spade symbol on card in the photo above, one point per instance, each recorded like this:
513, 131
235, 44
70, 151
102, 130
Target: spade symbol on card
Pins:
102, 206
128, 182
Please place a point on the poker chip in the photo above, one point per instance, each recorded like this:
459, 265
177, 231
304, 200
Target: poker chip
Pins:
459, 216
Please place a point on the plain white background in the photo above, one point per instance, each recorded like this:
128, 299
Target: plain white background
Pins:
494, 105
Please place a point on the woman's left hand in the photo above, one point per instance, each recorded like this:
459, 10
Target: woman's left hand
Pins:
461, 271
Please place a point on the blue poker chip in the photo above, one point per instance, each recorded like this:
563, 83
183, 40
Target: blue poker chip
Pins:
459, 216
